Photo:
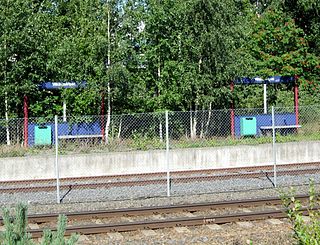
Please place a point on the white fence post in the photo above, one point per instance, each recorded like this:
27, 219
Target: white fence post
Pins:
56, 159
274, 149
167, 154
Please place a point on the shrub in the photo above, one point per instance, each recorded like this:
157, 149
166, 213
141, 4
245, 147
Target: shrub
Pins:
16, 230
306, 232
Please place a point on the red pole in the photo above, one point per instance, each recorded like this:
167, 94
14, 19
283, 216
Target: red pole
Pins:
102, 115
25, 124
296, 101
232, 112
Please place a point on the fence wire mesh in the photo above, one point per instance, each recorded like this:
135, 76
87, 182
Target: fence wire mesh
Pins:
125, 156
213, 147
297, 152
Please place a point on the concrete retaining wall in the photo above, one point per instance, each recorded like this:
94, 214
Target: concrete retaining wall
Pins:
42, 167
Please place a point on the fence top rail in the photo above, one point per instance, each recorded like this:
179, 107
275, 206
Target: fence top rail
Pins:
80, 136
281, 126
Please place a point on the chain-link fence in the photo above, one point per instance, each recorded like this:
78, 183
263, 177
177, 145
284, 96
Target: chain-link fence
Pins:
92, 158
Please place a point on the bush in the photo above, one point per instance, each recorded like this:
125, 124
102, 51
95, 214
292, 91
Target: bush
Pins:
306, 232
16, 230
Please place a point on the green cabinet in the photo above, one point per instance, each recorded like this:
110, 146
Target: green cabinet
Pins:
42, 135
248, 126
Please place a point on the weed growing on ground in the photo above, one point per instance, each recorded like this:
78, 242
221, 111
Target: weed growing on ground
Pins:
306, 231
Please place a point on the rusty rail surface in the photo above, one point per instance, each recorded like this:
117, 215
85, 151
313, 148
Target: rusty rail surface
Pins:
173, 173
117, 181
168, 223
44, 218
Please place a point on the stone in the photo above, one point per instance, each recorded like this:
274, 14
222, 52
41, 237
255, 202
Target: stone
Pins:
274, 221
245, 224
33, 226
98, 222
83, 238
126, 219
148, 232
182, 229
115, 235
214, 227
188, 214
157, 216
306, 219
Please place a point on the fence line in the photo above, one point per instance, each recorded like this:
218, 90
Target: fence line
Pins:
168, 142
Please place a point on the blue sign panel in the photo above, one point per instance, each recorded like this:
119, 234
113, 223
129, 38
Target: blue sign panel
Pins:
280, 79
269, 80
59, 85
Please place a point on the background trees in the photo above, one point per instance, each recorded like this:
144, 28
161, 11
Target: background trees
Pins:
150, 55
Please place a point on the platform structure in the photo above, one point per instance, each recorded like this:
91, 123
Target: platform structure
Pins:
42, 134
261, 124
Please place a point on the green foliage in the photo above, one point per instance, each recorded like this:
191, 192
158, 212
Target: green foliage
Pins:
280, 47
305, 232
16, 230
16, 227
57, 238
162, 54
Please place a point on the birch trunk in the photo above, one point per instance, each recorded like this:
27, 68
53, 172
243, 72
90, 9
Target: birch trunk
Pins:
108, 85
208, 120
120, 128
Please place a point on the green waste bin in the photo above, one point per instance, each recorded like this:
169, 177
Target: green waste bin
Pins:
248, 126
42, 135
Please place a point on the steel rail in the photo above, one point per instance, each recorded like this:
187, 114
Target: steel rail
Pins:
43, 218
173, 173
176, 222
144, 182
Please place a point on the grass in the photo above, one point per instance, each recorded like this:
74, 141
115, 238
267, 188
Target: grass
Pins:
147, 143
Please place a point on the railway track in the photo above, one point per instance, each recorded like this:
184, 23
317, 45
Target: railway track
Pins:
156, 178
166, 223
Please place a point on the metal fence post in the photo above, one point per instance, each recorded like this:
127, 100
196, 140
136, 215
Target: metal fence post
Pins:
56, 158
274, 149
167, 154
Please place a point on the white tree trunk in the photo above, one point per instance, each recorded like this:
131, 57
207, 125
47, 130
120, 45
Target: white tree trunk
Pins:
193, 123
209, 118
108, 85
160, 131
120, 127
108, 115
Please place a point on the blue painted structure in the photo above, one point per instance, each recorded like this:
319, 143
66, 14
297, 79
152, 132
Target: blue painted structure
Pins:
269, 80
62, 84
66, 128
281, 119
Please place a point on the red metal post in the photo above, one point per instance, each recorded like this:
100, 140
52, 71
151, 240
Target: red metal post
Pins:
232, 112
25, 123
296, 101
102, 116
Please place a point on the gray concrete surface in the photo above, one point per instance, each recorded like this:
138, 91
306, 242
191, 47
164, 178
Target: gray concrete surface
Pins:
41, 167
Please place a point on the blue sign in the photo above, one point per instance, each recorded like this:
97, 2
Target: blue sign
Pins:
280, 79
59, 85
269, 80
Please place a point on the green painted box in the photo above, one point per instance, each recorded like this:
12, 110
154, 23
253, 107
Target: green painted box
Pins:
248, 126
42, 135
